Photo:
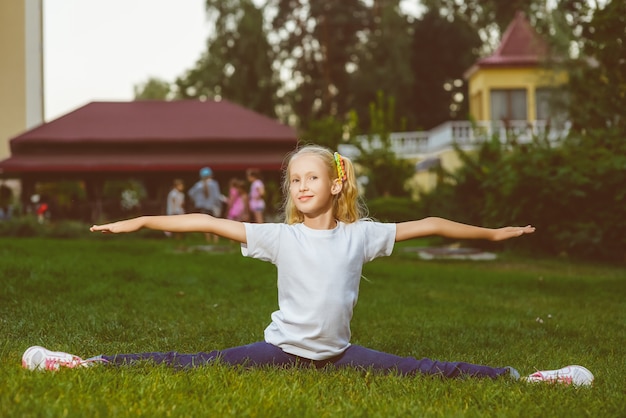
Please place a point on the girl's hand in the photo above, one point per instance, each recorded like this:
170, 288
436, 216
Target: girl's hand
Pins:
511, 232
130, 225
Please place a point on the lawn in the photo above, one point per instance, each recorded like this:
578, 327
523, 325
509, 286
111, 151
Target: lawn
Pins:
111, 294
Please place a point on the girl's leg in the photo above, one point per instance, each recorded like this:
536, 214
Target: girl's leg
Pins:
357, 356
256, 354
171, 358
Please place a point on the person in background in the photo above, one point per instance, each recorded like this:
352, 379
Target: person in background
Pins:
176, 203
237, 208
42, 208
256, 196
207, 198
6, 196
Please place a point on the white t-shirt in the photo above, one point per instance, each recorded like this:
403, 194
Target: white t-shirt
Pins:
319, 272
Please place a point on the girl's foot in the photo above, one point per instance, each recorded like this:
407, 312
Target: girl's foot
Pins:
40, 358
569, 375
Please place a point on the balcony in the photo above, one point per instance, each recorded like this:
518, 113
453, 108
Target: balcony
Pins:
423, 144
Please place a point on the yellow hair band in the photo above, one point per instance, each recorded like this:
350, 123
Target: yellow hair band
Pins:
341, 167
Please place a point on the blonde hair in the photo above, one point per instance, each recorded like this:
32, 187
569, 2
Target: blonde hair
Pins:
348, 206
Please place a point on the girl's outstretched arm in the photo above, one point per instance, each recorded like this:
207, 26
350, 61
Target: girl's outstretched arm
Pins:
191, 222
450, 229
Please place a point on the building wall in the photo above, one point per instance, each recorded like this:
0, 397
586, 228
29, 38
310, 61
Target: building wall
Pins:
486, 79
426, 180
481, 83
21, 69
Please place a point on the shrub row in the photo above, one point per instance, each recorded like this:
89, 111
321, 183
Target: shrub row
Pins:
574, 193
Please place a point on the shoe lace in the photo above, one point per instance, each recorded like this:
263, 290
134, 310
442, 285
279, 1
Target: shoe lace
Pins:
559, 378
52, 363
568, 380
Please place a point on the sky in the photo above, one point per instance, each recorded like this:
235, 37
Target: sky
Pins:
98, 50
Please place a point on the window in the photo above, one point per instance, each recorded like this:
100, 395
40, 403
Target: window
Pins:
551, 105
508, 104
542, 103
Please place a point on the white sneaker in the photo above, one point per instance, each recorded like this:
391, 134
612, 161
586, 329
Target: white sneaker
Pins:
569, 375
39, 358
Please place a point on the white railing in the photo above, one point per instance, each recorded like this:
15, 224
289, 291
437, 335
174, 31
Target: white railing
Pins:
466, 134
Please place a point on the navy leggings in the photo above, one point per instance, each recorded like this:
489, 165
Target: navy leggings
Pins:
262, 353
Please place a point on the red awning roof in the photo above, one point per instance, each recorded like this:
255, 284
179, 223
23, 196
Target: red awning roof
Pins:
152, 121
151, 136
521, 45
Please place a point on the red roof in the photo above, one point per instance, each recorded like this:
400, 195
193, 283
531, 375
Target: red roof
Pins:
160, 121
152, 136
521, 45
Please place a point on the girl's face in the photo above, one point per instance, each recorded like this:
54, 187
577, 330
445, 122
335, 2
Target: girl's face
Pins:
310, 187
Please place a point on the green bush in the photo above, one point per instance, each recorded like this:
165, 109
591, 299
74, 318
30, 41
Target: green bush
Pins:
28, 226
25, 226
393, 209
572, 191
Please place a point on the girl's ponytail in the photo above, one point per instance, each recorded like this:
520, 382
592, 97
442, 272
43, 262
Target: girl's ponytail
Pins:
349, 206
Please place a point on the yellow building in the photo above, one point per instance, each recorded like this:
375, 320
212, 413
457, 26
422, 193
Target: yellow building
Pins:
513, 84
509, 91
21, 69
21, 79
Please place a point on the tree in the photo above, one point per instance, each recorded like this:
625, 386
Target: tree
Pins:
238, 62
386, 173
316, 42
597, 86
326, 131
443, 49
383, 64
154, 89
489, 17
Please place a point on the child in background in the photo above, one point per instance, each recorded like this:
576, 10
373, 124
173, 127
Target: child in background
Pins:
257, 195
176, 198
206, 198
319, 252
237, 207
176, 203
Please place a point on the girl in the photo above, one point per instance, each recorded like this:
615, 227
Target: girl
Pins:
319, 252
176, 198
176, 203
237, 207
257, 195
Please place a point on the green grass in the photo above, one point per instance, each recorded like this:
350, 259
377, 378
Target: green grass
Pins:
124, 294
